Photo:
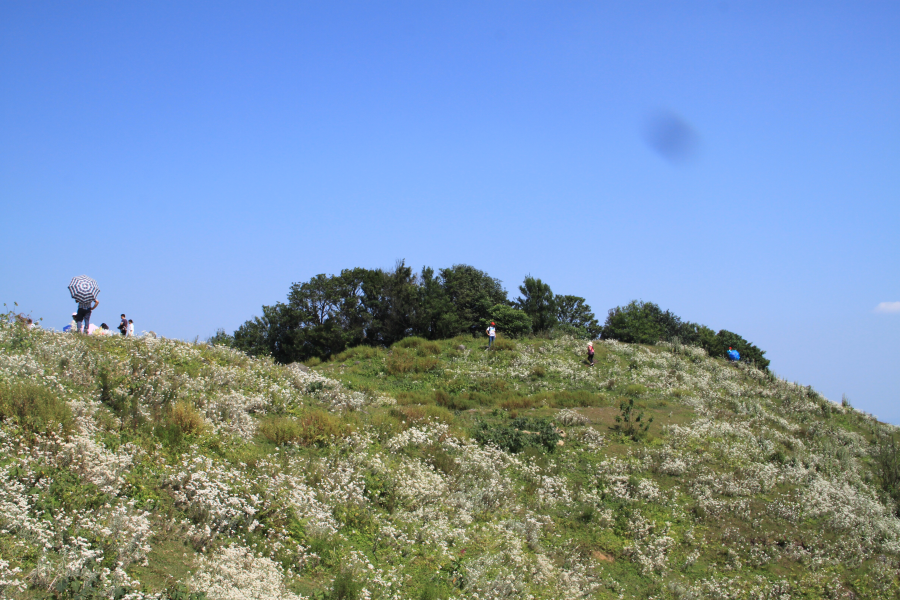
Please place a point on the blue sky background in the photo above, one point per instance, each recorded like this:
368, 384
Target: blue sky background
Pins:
198, 158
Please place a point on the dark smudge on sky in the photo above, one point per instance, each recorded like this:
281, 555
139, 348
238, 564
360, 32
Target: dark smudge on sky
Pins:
671, 137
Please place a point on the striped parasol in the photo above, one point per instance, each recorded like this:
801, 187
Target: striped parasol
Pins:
84, 289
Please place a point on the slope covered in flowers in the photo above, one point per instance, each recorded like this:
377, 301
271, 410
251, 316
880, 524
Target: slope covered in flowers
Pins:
151, 468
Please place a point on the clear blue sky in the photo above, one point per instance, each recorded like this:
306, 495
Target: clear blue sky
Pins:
198, 158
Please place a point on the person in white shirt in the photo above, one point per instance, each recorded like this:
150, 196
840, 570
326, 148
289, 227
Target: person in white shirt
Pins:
492, 333
130, 328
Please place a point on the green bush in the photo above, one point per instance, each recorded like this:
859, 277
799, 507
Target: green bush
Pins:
518, 434
34, 408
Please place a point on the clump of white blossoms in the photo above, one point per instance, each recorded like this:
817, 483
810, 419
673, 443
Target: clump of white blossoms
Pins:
236, 573
570, 417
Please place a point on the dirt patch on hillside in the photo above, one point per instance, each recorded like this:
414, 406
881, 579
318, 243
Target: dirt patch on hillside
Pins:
602, 557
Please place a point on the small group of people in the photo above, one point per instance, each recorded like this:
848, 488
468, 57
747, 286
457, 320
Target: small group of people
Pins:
126, 327
82, 321
84, 291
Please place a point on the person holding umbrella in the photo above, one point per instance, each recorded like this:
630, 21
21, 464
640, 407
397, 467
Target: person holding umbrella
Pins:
84, 291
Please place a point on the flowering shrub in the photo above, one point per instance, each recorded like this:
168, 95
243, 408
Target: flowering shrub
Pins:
236, 573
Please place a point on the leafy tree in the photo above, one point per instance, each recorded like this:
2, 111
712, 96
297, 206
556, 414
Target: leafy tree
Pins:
509, 320
538, 302
391, 301
322, 317
436, 317
253, 336
222, 338
639, 323
575, 316
472, 293
693, 334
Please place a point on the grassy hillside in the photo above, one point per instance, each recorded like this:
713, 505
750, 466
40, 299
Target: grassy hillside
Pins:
150, 468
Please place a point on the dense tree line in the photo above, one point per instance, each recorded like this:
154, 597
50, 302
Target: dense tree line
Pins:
646, 323
330, 313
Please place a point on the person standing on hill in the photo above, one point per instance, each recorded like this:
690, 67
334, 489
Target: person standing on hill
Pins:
492, 334
591, 353
84, 315
130, 328
123, 326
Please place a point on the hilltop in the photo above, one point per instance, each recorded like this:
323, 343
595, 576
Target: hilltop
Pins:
152, 468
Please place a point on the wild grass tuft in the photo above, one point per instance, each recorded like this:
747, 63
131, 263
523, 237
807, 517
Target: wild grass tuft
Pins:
280, 430
422, 414
504, 345
422, 346
345, 587
315, 427
34, 408
184, 416
403, 361
358, 353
